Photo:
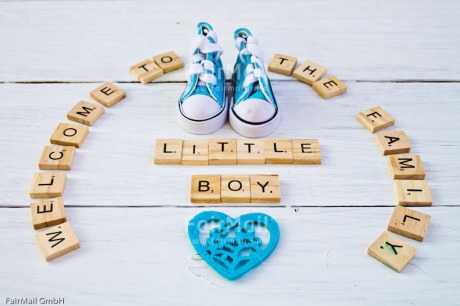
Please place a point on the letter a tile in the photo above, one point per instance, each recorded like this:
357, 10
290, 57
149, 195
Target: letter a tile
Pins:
395, 142
391, 251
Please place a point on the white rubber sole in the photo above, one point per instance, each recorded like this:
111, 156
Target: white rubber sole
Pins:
254, 130
203, 127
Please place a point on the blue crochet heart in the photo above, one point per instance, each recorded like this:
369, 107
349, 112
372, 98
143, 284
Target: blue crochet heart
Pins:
232, 248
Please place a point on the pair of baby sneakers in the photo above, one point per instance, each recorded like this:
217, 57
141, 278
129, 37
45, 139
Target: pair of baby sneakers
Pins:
203, 107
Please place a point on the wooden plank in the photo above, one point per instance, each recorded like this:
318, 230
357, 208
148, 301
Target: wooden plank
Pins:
148, 255
118, 151
354, 40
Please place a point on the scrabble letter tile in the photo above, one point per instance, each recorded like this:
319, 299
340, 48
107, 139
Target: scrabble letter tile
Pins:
69, 134
413, 193
235, 189
391, 251
85, 113
278, 151
309, 72
205, 189
265, 188
195, 152
56, 158
222, 151
57, 241
250, 151
108, 94
375, 119
169, 61
146, 71
47, 185
47, 213
282, 64
409, 223
395, 142
406, 167
306, 151
329, 87
168, 151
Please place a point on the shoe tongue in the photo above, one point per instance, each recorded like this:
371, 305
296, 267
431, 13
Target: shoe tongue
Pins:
257, 93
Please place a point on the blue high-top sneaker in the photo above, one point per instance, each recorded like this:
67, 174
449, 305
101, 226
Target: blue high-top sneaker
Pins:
202, 108
254, 112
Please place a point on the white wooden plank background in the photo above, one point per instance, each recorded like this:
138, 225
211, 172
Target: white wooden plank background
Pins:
142, 256
130, 215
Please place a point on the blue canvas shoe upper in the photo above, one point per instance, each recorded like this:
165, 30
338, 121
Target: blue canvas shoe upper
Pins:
204, 94
254, 99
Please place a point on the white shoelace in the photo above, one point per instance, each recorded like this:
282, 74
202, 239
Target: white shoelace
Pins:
251, 48
199, 65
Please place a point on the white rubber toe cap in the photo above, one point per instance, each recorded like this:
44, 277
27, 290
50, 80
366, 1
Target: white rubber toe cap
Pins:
255, 110
200, 107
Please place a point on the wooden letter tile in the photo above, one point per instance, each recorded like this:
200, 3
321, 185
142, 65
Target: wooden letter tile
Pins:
309, 72
56, 158
235, 189
168, 151
195, 152
413, 193
282, 64
47, 213
250, 151
329, 87
146, 71
278, 151
47, 185
69, 134
108, 94
205, 189
409, 223
306, 151
265, 188
375, 119
57, 241
395, 142
391, 251
85, 113
169, 61
222, 151
406, 167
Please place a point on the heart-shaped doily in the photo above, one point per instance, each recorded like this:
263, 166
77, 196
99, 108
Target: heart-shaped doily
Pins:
232, 248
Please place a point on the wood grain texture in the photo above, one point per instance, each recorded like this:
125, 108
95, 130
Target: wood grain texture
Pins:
355, 40
151, 260
114, 167
141, 255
